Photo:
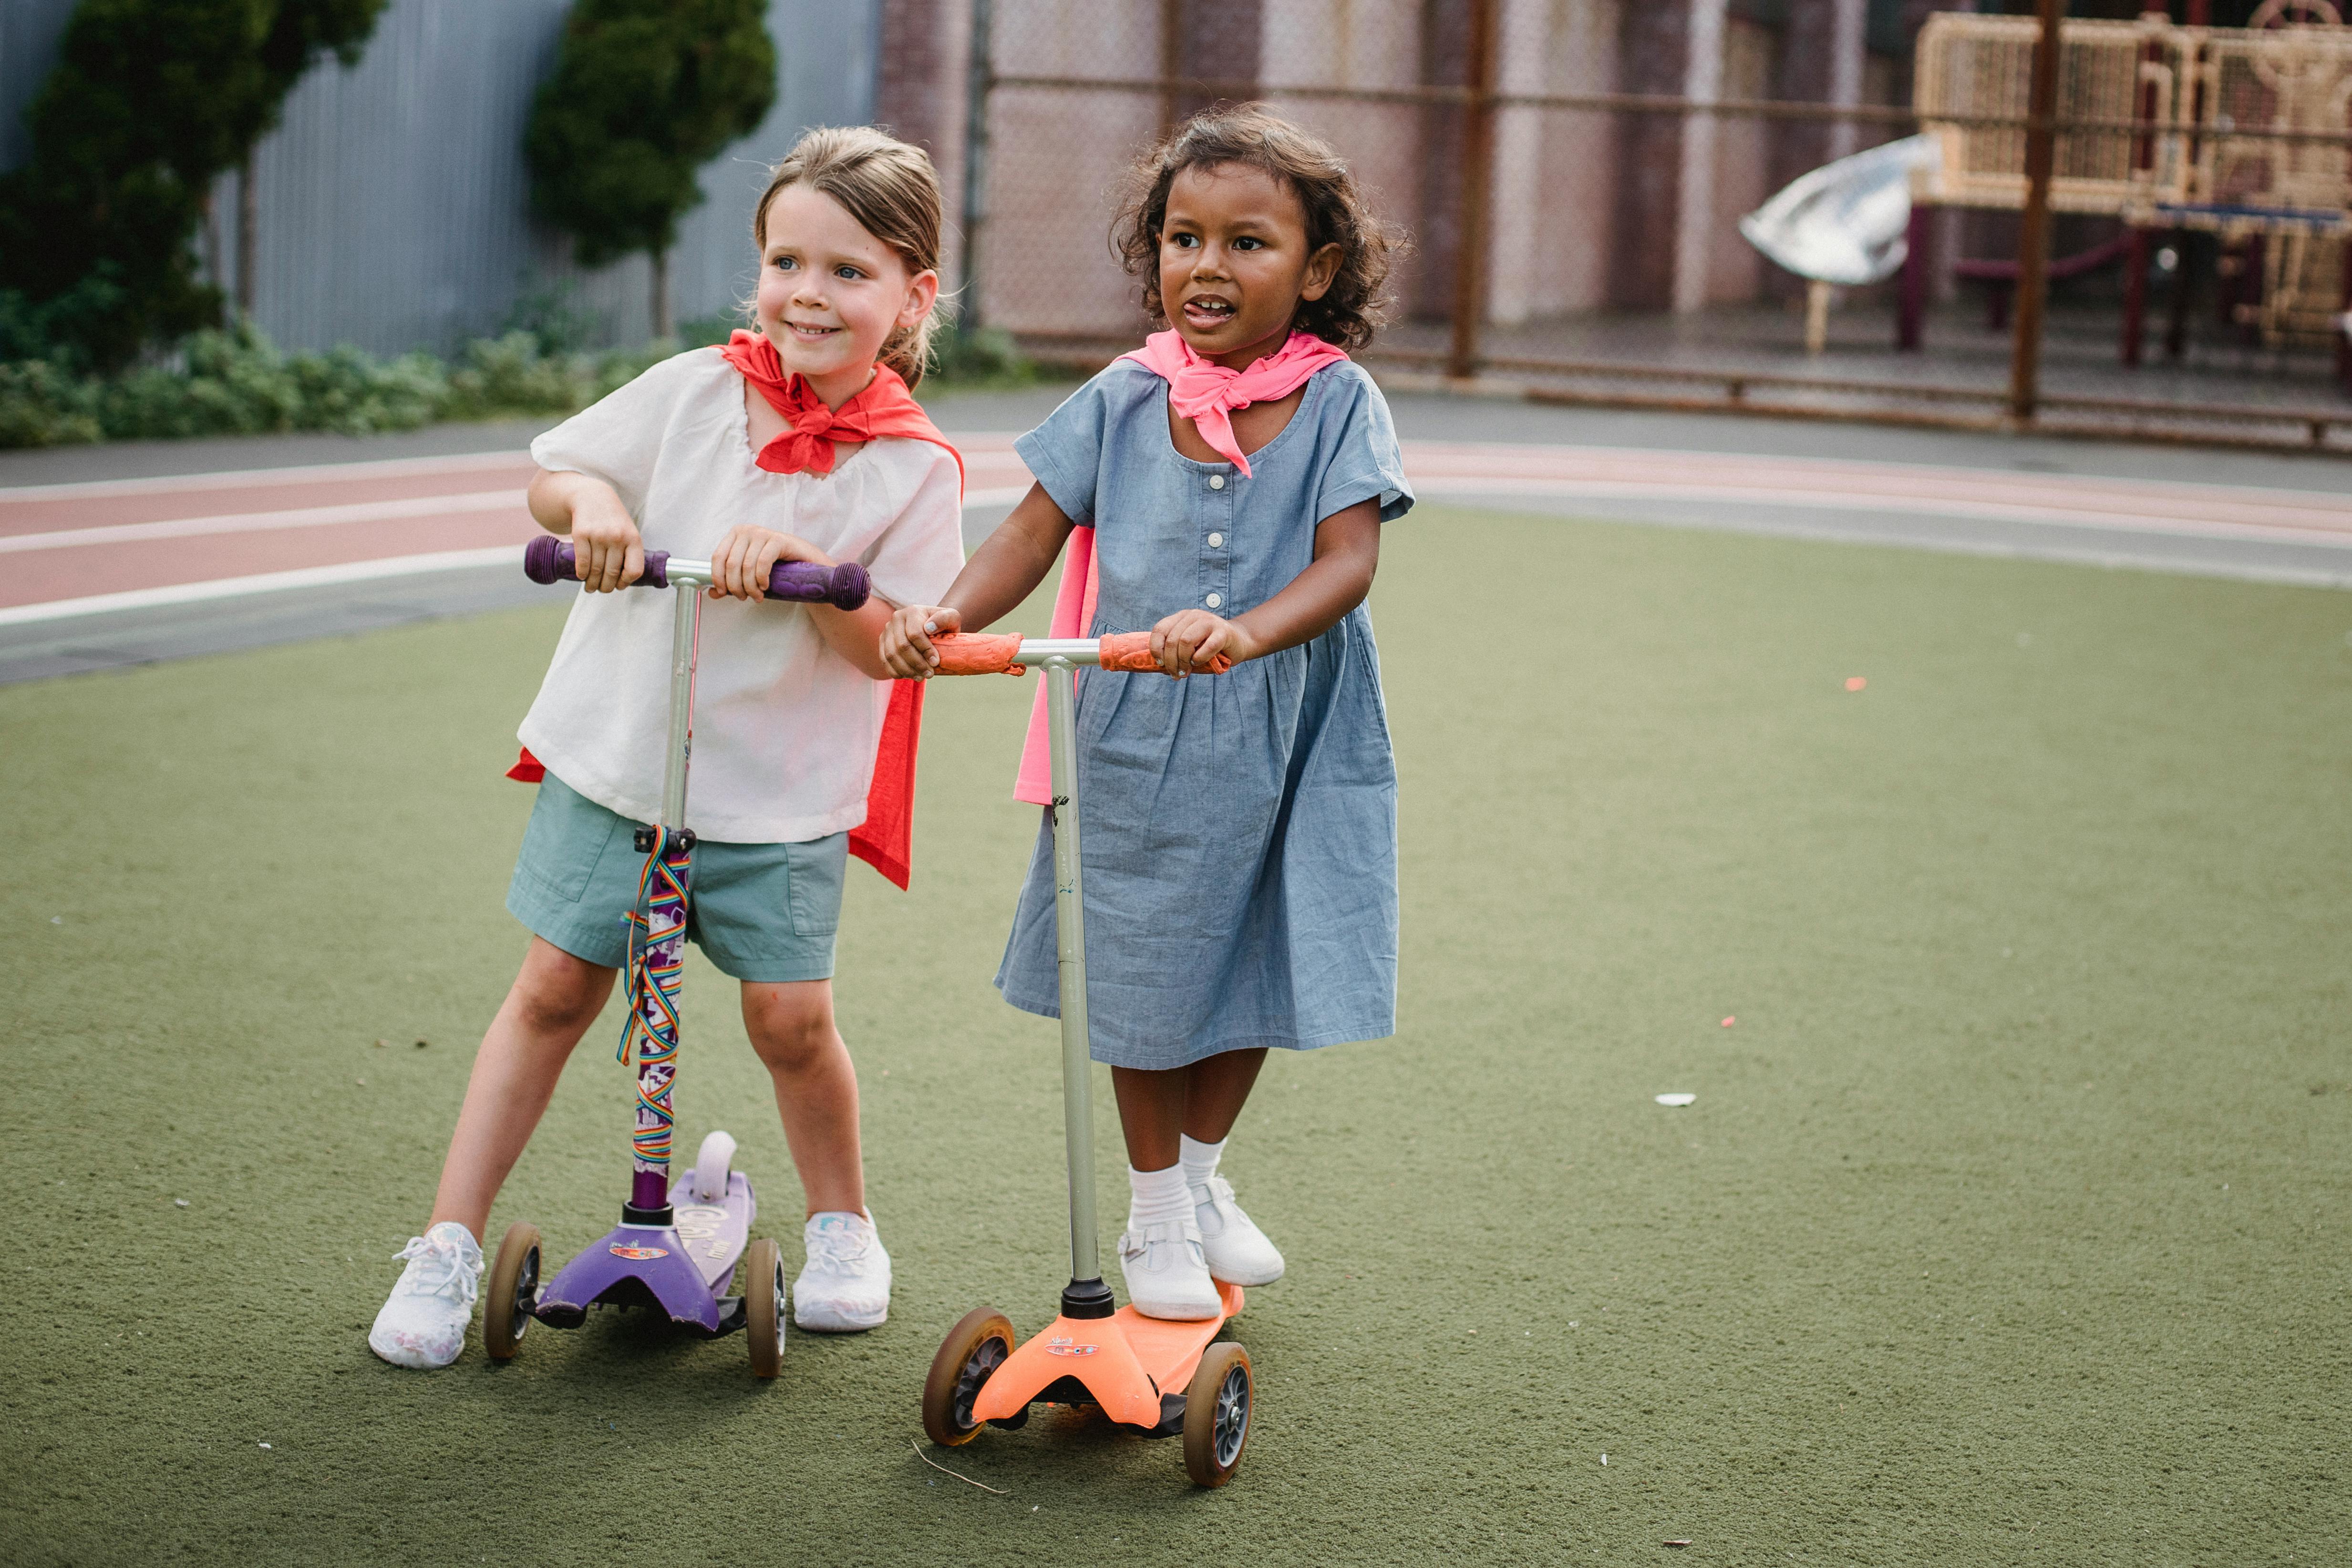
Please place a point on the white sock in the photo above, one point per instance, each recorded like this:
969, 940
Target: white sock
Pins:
1199, 1160
1156, 1197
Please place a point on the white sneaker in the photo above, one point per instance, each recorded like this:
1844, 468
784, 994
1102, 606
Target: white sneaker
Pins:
847, 1285
423, 1323
1166, 1274
1237, 1251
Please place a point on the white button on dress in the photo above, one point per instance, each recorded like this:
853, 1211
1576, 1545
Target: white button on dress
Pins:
1216, 482
1216, 541
1213, 600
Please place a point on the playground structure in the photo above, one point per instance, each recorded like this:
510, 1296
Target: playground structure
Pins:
2237, 133
1575, 177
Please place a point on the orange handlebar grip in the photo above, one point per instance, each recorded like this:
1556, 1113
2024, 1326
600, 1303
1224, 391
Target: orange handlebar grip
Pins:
962, 653
1132, 651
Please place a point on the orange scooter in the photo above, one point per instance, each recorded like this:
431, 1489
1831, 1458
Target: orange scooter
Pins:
1159, 1378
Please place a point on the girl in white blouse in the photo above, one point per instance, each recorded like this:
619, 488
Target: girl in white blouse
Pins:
800, 443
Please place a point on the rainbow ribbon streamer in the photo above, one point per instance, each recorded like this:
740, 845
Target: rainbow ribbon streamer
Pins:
657, 963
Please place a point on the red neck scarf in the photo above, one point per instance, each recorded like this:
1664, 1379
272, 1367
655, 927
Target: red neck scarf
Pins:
885, 408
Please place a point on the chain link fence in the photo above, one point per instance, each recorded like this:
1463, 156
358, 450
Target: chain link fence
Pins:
1573, 175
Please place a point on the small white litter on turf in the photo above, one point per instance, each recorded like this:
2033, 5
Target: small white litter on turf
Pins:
1676, 1099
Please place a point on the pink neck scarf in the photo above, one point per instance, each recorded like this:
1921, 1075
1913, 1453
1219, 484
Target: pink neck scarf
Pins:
1207, 393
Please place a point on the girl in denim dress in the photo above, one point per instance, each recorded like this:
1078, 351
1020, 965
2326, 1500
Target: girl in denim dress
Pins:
1240, 827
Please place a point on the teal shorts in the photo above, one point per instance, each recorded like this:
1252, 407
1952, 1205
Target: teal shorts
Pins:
762, 912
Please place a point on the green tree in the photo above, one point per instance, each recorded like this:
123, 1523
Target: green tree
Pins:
150, 101
645, 92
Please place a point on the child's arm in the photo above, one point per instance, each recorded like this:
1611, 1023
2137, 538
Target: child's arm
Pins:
748, 556
603, 535
1347, 553
1005, 570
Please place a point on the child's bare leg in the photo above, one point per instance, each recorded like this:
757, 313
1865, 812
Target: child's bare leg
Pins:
1183, 1226
792, 1028
1216, 1089
845, 1286
1151, 1105
554, 999
1159, 1109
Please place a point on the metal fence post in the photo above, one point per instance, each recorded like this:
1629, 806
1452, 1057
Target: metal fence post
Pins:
1171, 60
979, 82
2033, 234
1477, 176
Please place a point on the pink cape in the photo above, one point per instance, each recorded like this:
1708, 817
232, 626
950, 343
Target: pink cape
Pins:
1206, 393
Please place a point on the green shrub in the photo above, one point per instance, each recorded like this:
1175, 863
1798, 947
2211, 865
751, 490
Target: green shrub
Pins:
977, 360
551, 311
509, 374
709, 331
44, 406
237, 383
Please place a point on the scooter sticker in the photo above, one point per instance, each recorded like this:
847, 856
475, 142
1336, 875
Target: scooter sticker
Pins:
1060, 1346
640, 1254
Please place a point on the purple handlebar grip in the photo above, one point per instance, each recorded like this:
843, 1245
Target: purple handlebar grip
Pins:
546, 559
845, 587
549, 559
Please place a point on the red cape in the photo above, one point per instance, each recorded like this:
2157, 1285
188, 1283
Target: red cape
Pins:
885, 840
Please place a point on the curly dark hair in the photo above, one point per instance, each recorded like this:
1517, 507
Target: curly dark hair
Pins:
1252, 136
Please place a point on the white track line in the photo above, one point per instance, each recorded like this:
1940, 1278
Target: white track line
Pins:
374, 468
1908, 486
508, 556
264, 521
316, 576
989, 445
2333, 532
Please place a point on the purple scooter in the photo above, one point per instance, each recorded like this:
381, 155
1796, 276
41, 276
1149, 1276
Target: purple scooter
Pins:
678, 1242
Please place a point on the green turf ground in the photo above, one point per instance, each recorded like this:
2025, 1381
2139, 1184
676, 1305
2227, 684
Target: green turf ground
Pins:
2009, 1226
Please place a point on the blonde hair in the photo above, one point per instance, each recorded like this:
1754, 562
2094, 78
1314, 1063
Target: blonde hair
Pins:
891, 189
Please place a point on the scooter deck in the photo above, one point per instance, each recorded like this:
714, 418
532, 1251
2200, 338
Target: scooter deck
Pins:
1131, 1365
677, 1268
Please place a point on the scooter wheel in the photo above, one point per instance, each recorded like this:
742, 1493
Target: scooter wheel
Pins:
514, 1291
763, 1307
1217, 1416
967, 1358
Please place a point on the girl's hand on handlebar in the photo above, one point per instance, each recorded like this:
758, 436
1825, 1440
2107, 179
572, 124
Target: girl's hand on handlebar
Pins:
741, 564
605, 542
907, 639
1189, 640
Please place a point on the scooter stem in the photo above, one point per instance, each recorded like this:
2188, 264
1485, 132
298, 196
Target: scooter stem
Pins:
1087, 1296
649, 1179
686, 639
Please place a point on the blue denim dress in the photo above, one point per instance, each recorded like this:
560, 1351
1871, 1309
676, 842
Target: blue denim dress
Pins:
1239, 830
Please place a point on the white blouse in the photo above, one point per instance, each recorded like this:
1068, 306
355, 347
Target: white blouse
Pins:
784, 728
